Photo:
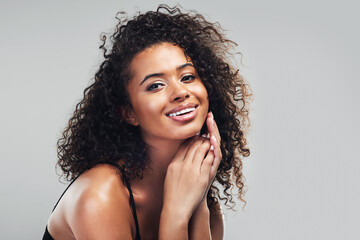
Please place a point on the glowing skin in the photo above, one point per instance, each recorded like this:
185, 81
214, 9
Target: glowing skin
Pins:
169, 100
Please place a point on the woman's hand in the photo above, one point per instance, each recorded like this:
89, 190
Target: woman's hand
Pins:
193, 170
186, 184
187, 177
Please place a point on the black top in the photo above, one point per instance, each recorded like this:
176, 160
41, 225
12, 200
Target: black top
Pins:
47, 235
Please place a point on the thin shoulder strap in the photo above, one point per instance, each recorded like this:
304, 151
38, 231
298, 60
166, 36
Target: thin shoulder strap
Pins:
131, 200
66, 190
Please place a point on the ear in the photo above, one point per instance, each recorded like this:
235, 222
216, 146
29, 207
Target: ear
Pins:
129, 116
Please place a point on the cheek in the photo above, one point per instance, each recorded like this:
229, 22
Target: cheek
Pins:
149, 109
201, 92
153, 107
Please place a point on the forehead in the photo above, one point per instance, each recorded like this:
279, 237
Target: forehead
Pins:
159, 58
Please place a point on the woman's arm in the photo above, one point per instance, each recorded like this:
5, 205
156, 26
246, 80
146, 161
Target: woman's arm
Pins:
207, 224
199, 225
217, 222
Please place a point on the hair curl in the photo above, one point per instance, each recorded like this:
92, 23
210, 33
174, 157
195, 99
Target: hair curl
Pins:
97, 132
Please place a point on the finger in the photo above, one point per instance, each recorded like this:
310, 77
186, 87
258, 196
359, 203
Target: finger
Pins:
214, 168
215, 143
200, 153
188, 158
207, 163
212, 127
180, 156
217, 156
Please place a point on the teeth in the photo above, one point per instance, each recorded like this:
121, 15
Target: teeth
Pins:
181, 112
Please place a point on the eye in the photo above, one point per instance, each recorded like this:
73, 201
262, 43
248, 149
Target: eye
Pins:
154, 86
188, 78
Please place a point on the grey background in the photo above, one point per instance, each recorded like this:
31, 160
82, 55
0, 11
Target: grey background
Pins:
302, 60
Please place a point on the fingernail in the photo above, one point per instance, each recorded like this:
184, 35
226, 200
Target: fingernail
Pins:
208, 135
211, 148
213, 137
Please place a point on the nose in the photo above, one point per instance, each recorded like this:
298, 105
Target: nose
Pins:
179, 92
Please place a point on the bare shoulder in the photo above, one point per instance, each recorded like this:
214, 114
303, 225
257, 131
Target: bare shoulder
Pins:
217, 222
100, 206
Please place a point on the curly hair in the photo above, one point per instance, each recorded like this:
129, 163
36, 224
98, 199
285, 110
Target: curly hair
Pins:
97, 132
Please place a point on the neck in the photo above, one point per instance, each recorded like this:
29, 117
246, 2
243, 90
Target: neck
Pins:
161, 152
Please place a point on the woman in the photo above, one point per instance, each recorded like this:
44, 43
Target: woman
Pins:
156, 128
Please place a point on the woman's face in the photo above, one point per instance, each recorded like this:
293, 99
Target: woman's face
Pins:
169, 100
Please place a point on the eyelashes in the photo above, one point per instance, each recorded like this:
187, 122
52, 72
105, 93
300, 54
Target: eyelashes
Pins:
187, 78
154, 86
157, 85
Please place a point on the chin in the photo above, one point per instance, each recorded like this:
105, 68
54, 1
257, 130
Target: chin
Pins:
188, 134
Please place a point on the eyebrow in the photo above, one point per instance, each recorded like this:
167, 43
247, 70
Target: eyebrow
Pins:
162, 74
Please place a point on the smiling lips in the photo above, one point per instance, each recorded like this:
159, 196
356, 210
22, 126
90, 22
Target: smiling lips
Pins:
183, 112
